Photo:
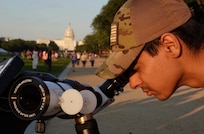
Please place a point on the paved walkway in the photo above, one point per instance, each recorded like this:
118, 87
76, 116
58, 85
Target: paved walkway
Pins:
135, 113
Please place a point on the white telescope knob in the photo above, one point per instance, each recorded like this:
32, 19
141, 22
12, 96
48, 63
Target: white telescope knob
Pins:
90, 102
71, 101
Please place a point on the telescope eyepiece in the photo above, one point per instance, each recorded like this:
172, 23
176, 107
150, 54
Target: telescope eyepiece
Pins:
29, 98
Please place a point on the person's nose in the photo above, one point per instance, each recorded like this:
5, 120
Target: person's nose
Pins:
135, 81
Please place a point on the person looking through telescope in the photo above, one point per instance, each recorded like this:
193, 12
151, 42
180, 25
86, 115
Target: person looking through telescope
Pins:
163, 41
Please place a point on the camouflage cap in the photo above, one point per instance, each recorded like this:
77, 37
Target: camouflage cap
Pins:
136, 23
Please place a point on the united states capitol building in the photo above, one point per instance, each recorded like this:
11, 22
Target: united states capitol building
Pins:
67, 43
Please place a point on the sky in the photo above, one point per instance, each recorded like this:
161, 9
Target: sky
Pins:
47, 19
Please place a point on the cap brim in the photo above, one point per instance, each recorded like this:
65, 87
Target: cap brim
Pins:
118, 62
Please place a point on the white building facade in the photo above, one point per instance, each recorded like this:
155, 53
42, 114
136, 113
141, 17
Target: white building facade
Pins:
68, 43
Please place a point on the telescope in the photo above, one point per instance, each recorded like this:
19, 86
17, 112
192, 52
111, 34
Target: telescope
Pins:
41, 96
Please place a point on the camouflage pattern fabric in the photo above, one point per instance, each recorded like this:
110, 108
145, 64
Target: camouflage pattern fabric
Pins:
122, 41
118, 62
136, 23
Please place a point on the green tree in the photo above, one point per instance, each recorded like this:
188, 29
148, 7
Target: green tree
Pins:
1, 43
42, 47
29, 45
81, 48
91, 43
53, 46
18, 45
14, 45
101, 26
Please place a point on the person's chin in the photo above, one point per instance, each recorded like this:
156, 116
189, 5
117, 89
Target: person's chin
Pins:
161, 98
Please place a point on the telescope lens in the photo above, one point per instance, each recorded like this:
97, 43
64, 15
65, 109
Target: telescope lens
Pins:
30, 98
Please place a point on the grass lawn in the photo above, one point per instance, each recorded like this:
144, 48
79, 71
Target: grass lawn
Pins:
57, 66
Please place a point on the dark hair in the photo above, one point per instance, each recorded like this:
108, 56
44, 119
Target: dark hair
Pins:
192, 33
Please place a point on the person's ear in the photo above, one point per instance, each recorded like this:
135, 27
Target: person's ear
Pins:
171, 44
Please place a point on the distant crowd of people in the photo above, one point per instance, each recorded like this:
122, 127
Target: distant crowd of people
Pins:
49, 56
76, 57
37, 55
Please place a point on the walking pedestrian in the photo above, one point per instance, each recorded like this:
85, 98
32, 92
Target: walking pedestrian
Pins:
78, 58
74, 60
84, 58
35, 58
92, 59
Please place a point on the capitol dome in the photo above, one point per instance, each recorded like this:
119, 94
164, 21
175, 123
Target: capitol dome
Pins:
68, 43
69, 33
